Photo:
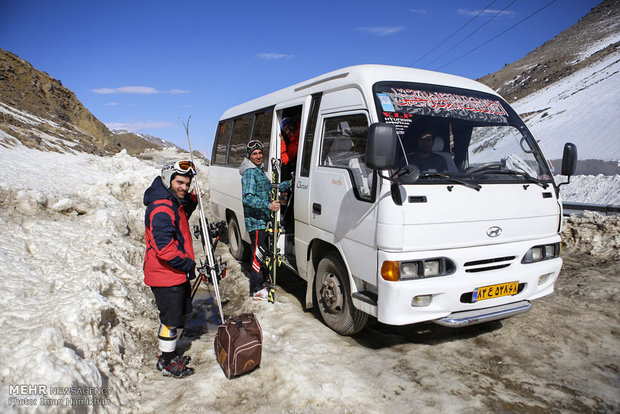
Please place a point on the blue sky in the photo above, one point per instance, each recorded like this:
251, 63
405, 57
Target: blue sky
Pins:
144, 65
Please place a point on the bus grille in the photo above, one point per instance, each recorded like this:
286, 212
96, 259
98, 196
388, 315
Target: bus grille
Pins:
488, 264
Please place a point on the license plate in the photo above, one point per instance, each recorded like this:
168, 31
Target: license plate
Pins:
495, 291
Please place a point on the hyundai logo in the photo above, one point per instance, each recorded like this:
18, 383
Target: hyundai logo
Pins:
494, 231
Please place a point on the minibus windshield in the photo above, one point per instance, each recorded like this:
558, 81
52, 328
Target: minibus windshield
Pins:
450, 133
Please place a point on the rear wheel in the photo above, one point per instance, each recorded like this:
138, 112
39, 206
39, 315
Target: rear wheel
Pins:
333, 294
235, 242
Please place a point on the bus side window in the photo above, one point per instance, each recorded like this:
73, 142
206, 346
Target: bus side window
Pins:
306, 155
262, 130
239, 139
221, 143
344, 146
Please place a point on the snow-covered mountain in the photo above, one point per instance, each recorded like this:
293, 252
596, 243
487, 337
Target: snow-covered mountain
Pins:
568, 90
581, 108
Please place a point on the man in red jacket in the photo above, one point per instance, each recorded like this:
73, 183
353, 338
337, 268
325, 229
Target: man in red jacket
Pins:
169, 260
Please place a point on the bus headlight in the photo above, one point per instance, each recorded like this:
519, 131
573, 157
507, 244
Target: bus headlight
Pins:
393, 271
409, 269
431, 268
542, 252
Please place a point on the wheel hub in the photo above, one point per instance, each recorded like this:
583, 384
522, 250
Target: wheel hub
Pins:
331, 294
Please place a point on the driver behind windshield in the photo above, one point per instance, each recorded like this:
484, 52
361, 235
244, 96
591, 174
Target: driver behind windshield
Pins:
424, 158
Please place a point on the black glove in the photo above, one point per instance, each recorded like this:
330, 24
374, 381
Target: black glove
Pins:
191, 274
217, 229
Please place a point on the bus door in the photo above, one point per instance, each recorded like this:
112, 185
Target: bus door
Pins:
294, 111
341, 201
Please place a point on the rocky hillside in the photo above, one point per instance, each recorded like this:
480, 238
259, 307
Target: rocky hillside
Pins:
40, 112
155, 140
564, 54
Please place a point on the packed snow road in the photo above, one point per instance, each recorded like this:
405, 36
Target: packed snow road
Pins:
560, 357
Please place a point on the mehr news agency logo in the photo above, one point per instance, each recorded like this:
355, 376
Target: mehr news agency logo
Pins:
24, 395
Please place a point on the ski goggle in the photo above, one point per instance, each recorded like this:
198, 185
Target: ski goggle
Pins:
185, 167
253, 146
182, 167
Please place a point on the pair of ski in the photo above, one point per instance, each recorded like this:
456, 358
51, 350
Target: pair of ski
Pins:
274, 258
213, 270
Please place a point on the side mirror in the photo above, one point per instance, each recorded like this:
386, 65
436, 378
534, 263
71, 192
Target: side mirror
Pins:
569, 159
381, 146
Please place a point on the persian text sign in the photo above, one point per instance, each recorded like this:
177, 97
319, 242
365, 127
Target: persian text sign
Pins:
446, 101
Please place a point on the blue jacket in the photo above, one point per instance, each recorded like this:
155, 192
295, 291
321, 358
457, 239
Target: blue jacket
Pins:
256, 191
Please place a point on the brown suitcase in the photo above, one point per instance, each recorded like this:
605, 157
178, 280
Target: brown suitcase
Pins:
239, 345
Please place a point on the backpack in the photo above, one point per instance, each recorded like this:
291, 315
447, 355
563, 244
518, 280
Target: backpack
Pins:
238, 345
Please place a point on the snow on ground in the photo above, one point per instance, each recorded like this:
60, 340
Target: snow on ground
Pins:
578, 109
71, 251
593, 189
598, 46
76, 314
25, 117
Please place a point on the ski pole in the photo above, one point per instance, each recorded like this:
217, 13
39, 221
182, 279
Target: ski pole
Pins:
203, 223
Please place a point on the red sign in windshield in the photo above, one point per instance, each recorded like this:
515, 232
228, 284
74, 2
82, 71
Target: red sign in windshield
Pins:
445, 101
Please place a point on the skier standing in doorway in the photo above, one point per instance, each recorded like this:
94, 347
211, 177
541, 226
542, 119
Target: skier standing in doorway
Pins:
256, 188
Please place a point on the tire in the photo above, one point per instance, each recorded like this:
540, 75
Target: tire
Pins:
333, 297
235, 242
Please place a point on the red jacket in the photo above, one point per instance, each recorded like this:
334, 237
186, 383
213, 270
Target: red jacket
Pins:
169, 253
288, 152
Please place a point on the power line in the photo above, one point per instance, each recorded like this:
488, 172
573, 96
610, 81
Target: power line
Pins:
496, 36
468, 36
457, 30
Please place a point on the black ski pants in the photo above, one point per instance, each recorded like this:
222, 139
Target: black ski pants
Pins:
259, 251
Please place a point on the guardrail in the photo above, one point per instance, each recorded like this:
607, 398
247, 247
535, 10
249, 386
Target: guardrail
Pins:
578, 208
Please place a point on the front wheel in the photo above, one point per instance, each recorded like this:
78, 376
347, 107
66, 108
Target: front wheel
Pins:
333, 294
235, 242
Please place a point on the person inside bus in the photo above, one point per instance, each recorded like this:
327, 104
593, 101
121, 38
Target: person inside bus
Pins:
424, 157
289, 144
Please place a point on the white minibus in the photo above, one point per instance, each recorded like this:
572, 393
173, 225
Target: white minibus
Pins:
418, 196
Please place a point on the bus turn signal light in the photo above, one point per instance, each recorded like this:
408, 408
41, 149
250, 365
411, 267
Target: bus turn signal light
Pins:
390, 271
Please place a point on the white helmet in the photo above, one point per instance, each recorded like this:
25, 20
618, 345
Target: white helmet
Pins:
169, 170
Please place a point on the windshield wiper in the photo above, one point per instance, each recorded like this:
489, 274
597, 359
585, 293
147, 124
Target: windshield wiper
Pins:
525, 175
451, 179
496, 168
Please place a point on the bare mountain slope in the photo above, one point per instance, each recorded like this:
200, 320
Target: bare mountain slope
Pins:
38, 111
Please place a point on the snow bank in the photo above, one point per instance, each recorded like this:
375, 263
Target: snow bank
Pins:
75, 310
593, 234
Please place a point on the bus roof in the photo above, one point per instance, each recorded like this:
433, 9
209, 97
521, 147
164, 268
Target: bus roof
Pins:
364, 75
